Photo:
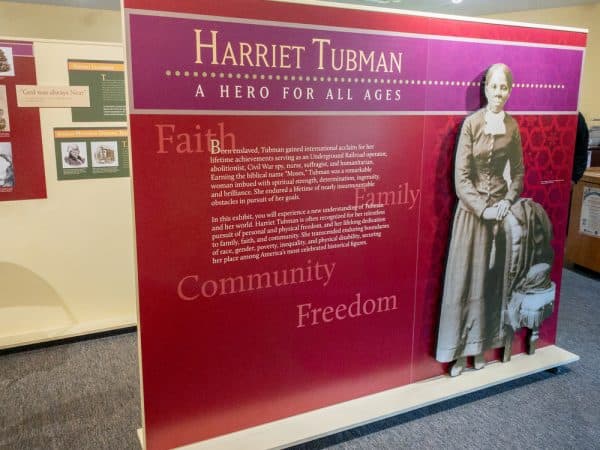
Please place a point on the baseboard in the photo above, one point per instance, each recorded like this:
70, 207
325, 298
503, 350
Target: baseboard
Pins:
322, 422
48, 338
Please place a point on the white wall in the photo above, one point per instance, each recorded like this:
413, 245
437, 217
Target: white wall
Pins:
59, 22
67, 262
583, 16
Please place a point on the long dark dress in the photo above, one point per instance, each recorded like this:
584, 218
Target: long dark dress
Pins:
471, 316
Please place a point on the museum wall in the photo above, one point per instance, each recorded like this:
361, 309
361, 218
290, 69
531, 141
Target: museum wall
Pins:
583, 16
67, 264
59, 22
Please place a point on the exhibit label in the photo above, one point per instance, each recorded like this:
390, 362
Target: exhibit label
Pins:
106, 83
52, 96
84, 153
590, 212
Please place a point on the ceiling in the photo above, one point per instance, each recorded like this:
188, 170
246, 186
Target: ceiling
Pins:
467, 7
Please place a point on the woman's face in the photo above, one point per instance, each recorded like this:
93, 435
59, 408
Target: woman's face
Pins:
497, 91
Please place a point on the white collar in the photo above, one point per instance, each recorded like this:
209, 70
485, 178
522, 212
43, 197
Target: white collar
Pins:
494, 123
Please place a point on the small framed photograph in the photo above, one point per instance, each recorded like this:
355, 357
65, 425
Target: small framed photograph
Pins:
105, 154
7, 64
74, 155
4, 122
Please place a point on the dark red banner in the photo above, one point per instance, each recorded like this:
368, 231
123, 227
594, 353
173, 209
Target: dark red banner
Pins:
291, 251
22, 174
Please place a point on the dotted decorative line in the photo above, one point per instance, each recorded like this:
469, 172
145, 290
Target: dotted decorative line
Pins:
357, 80
540, 86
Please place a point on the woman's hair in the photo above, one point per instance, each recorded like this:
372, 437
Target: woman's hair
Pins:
504, 68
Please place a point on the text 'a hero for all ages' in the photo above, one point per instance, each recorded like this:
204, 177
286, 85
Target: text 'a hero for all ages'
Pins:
301, 93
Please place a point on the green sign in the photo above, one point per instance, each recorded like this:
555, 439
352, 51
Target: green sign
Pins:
106, 80
83, 153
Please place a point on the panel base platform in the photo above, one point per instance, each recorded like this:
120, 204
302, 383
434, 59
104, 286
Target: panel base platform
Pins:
332, 419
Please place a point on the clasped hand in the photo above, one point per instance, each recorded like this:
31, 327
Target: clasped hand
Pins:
498, 211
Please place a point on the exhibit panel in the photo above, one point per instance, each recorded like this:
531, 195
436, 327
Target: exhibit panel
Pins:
67, 260
293, 186
21, 160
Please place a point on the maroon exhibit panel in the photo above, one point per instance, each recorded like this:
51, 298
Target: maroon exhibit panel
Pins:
293, 196
22, 174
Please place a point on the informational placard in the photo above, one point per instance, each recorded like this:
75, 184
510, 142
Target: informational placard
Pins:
299, 158
106, 82
4, 116
22, 174
52, 96
590, 212
84, 153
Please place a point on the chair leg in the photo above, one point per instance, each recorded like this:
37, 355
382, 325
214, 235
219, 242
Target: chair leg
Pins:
507, 353
533, 338
478, 361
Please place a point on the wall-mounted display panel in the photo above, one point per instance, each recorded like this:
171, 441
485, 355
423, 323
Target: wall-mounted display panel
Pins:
21, 157
67, 268
306, 154
106, 83
83, 153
